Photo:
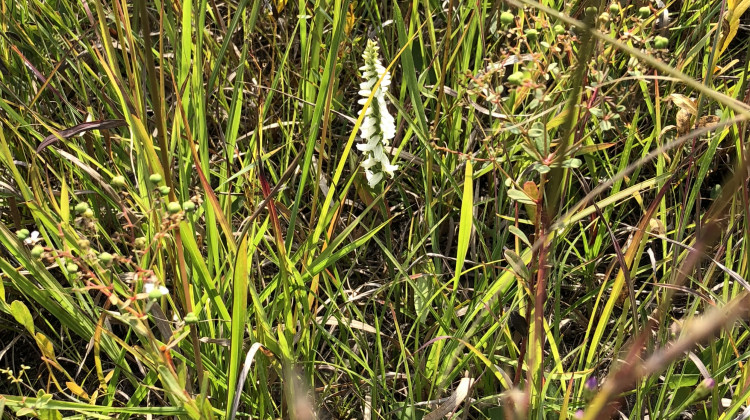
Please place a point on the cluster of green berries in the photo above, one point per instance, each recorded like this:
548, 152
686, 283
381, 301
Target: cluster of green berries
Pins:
660, 42
173, 207
83, 209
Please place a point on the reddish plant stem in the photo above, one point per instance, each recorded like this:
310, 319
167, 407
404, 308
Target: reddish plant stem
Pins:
539, 287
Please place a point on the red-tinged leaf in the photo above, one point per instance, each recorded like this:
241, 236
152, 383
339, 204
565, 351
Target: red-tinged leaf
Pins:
78, 129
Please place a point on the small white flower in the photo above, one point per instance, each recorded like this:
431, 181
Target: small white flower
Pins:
33, 238
379, 125
149, 287
373, 178
89, 118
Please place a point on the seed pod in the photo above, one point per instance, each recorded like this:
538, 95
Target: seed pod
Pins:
118, 181
37, 251
516, 78
155, 178
531, 35
660, 42
81, 207
190, 318
506, 18
140, 243
174, 207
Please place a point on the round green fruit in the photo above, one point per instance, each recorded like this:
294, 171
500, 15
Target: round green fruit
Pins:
118, 181
660, 42
506, 18
37, 251
106, 258
644, 12
155, 294
72, 268
174, 207
155, 178
140, 242
81, 207
188, 206
614, 8
516, 78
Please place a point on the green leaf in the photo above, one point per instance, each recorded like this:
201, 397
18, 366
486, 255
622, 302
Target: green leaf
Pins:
466, 219
239, 316
518, 265
683, 380
537, 133
519, 196
522, 236
22, 314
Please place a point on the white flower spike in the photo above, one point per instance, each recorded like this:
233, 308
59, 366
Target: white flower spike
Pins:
378, 126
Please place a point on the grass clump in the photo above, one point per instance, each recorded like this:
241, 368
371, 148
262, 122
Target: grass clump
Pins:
362, 210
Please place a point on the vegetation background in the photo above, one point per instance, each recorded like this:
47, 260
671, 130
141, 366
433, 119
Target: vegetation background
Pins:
186, 231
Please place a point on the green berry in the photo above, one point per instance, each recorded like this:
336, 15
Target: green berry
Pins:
604, 18
558, 29
72, 268
516, 78
188, 206
591, 11
190, 318
37, 251
174, 207
660, 42
506, 18
155, 178
81, 207
164, 190
106, 258
118, 181
22, 234
89, 214
531, 34
614, 8
644, 12
155, 294
140, 242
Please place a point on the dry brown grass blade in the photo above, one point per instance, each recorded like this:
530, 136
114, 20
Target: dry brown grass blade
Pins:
78, 129
450, 405
696, 331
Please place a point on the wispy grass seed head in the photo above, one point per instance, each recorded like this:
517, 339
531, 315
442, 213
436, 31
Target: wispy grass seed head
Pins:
378, 126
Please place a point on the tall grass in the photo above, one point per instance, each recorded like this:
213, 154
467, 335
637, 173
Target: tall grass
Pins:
186, 229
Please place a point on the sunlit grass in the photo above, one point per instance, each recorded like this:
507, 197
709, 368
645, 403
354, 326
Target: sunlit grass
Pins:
187, 228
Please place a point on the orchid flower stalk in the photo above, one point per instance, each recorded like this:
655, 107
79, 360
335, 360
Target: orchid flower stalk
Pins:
378, 126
